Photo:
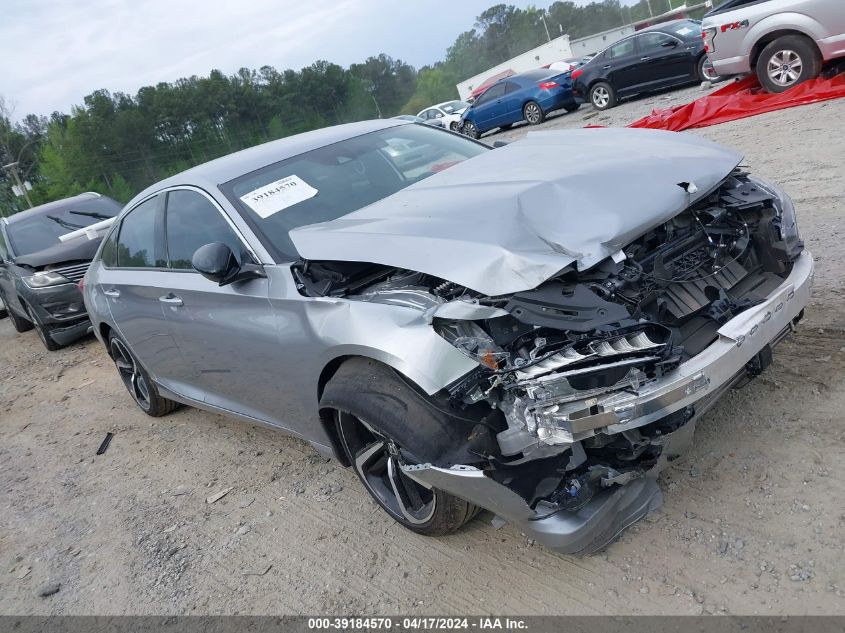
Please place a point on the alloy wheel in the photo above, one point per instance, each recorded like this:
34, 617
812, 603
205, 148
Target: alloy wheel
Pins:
127, 368
785, 67
375, 457
601, 97
533, 113
470, 130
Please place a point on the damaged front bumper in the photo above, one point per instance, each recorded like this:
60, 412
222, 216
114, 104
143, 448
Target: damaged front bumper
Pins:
694, 386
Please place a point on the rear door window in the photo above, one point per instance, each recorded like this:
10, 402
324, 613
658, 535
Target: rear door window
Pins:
624, 48
136, 243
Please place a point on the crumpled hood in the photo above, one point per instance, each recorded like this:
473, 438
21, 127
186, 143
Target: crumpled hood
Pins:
510, 219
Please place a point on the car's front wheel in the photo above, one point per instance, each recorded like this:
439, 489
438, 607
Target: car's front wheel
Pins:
43, 332
787, 62
19, 323
533, 113
363, 400
602, 96
470, 130
137, 382
3, 310
453, 126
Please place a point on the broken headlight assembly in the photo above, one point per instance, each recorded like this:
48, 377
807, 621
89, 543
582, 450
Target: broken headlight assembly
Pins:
787, 223
472, 341
45, 279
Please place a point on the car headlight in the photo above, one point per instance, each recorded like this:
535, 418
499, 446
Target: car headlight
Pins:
471, 341
45, 279
788, 223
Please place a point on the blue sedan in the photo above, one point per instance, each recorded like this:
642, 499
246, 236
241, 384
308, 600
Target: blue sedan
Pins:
529, 96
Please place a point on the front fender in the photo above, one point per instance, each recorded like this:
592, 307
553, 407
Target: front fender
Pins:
398, 337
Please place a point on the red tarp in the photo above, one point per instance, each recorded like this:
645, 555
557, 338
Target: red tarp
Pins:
741, 99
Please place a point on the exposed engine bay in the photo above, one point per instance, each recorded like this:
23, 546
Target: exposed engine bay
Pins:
560, 366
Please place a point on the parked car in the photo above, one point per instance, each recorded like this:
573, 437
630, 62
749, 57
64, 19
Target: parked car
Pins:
569, 64
415, 119
503, 333
662, 56
447, 114
39, 272
783, 41
528, 96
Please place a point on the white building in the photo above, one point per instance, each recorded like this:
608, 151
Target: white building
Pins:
599, 41
553, 51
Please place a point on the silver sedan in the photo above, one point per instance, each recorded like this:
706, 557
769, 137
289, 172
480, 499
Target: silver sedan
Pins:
534, 329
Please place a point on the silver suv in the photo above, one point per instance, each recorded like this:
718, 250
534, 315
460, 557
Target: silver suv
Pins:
783, 41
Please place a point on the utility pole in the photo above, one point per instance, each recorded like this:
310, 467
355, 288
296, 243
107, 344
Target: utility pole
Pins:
372, 90
13, 167
543, 18
648, 2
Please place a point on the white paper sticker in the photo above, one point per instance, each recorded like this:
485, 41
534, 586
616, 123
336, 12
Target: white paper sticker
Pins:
278, 196
684, 31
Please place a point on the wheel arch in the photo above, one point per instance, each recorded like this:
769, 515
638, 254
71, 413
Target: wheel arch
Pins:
104, 329
426, 410
770, 36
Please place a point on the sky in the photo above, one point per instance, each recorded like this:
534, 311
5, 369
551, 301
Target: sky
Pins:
54, 52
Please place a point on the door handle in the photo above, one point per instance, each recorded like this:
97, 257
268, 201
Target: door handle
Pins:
606, 67
644, 59
111, 292
171, 300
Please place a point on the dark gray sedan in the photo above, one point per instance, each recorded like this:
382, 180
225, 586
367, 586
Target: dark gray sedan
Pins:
44, 253
466, 327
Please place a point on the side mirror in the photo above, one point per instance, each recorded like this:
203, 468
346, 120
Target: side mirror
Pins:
216, 262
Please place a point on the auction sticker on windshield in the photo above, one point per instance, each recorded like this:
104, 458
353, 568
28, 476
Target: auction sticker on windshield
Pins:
278, 195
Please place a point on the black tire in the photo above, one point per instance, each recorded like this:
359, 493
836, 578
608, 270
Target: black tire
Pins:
470, 130
364, 399
18, 322
453, 126
3, 312
572, 107
603, 96
533, 113
43, 332
702, 68
137, 381
787, 62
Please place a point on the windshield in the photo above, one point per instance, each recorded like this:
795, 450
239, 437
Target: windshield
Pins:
327, 183
41, 231
454, 106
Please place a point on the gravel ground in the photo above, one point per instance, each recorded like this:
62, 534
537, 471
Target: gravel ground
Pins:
752, 521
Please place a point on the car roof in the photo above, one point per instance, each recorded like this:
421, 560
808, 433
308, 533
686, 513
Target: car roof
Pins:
226, 168
537, 73
665, 26
443, 103
56, 205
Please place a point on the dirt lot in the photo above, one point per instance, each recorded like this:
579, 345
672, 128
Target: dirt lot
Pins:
752, 522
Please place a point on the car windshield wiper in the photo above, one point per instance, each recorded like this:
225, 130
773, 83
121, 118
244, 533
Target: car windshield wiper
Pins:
65, 223
93, 214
